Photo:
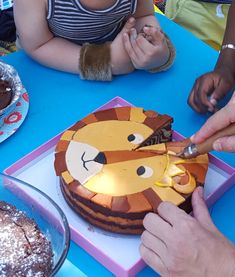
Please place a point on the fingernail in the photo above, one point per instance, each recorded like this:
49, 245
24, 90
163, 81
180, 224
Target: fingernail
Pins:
200, 191
213, 101
211, 110
192, 137
217, 145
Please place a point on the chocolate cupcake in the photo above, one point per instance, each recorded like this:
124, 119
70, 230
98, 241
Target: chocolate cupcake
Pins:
5, 94
24, 249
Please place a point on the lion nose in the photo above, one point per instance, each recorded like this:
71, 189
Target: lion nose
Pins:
100, 158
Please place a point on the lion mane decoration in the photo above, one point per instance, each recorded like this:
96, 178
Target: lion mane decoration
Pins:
117, 165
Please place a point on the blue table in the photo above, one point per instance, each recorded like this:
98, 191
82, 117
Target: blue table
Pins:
58, 99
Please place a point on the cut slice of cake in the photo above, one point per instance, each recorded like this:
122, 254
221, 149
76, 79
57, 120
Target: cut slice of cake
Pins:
119, 164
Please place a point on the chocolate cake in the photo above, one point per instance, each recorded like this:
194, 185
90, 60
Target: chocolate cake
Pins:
24, 250
119, 164
5, 94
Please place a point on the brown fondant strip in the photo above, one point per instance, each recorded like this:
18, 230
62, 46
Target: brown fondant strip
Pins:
184, 179
157, 124
198, 171
91, 118
151, 114
138, 203
62, 146
152, 198
120, 204
123, 113
77, 126
103, 200
106, 115
60, 163
125, 155
181, 143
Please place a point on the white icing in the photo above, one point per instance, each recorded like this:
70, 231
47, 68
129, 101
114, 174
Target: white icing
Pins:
80, 161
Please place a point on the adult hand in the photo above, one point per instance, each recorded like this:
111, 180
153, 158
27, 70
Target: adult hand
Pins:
178, 245
216, 122
209, 88
148, 49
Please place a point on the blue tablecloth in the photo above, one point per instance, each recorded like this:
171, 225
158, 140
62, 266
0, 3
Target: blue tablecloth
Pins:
58, 99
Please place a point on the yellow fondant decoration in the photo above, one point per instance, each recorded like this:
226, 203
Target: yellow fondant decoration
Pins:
187, 188
67, 135
158, 147
137, 115
67, 177
202, 159
121, 178
173, 170
111, 134
169, 152
168, 194
166, 181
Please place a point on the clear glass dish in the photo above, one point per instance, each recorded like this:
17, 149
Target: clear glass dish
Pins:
43, 210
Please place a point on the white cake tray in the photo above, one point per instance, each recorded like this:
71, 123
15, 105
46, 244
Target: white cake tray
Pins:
118, 253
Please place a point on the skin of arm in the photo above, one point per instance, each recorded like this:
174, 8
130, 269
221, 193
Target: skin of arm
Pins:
60, 53
209, 88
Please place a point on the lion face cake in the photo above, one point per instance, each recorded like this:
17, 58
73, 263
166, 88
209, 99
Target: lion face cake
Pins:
119, 164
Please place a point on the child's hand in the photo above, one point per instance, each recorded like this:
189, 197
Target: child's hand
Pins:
209, 88
148, 49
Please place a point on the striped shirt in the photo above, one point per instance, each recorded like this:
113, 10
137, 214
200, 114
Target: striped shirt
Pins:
69, 19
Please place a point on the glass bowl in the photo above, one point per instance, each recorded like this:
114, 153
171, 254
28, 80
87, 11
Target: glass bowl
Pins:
43, 210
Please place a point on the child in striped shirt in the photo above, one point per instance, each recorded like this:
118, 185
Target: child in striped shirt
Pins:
97, 39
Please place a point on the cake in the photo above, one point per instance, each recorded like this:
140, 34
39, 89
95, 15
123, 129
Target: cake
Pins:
24, 250
117, 165
5, 94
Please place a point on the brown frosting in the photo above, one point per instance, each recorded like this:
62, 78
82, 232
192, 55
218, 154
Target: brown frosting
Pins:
5, 94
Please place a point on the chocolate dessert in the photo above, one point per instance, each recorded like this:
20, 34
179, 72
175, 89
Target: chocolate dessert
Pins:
5, 94
24, 250
117, 165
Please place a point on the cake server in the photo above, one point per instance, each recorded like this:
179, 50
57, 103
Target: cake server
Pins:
193, 150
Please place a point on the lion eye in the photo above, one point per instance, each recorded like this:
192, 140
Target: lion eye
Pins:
135, 138
144, 171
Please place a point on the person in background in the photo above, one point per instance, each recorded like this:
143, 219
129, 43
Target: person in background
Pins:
96, 39
211, 87
176, 244
206, 19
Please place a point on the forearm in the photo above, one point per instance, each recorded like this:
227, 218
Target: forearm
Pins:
227, 56
64, 55
57, 53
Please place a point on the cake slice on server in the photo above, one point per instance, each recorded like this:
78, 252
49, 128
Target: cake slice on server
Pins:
119, 164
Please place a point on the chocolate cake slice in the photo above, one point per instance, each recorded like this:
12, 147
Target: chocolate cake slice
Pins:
119, 164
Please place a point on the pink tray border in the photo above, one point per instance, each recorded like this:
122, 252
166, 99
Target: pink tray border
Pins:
81, 240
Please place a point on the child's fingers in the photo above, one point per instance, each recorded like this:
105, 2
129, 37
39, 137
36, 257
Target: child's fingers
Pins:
155, 33
129, 24
128, 46
145, 46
